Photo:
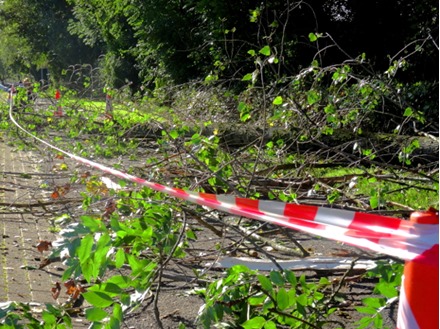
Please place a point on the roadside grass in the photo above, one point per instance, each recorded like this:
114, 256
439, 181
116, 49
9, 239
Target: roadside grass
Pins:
3, 97
385, 189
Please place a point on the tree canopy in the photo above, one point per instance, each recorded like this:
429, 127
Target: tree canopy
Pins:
155, 42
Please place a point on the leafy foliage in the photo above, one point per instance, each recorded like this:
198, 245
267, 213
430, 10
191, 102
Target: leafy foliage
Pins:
262, 68
258, 301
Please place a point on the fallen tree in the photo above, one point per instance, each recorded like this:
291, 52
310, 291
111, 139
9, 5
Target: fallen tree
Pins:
343, 146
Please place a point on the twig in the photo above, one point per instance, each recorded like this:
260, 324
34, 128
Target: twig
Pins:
202, 222
360, 203
341, 283
39, 203
160, 273
271, 242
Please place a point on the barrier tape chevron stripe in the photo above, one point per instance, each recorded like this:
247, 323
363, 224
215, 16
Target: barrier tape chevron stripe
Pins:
387, 235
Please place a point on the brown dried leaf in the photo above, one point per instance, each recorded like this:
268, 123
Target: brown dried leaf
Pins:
69, 284
43, 245
60, 191
73, 289
56, 290
85, 174
110, 208
78, 290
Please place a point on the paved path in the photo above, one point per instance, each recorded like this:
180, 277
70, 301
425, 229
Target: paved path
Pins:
20, 230
23, 223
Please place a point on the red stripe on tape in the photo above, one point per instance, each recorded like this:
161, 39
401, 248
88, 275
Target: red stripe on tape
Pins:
373, 227
158, 187
300, 211
249, 205
179, 193
210, 197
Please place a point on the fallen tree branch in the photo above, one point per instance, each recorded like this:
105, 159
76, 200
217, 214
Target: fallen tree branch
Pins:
333, 264
39, 203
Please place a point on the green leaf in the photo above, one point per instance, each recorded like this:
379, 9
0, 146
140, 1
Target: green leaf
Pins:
254, 323
174, 133
239, 269
113, 323
265, 283
270, 325
93, 224
277, 278
386, 289
364, 322
109, 288
291, 278
121, 281
120, 258
330, 109
257, 300
191, 235
302, 300
408, 112
374, 201
98, 298
366, 310
117, 311
247, 77
373, 302
265, 51
282, 299
211, 77
49, 318
278, 100
312, 97
95, 314
196, 139
312, 37
252, 52
102, 248
89, 269
378, 321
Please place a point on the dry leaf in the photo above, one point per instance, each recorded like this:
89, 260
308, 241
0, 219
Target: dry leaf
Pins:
43, 245
96, 187
73, 289
85, 174
56, 290
60, 191
110, 208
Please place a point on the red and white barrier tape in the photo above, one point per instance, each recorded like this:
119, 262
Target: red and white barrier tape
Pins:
386, 235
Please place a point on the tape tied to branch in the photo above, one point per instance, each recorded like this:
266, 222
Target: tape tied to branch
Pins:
386, 235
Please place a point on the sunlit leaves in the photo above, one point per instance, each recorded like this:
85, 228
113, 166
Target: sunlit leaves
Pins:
245, 111
278, 298
313, 96
98, 298
265, 51
95, 314
278, 100
313, 37
254, 323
